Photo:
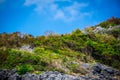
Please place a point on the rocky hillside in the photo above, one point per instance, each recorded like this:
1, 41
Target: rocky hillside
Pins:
76, 53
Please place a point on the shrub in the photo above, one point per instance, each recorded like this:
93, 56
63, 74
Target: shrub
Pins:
22, 69
3, 55
39, 50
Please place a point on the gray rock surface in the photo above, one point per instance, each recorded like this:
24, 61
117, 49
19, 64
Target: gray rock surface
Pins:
27, 48
99, 29
96, 72
104, 72
86, 66
30, 77
14, 77
56, 76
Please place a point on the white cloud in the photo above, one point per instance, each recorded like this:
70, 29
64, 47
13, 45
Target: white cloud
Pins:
53, 9
59, 15
72, 12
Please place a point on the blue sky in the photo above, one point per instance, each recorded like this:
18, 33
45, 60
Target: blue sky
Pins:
61, 16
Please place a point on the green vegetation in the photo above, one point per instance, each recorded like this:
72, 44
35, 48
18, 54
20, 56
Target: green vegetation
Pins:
24, 68
63, 53
110, 22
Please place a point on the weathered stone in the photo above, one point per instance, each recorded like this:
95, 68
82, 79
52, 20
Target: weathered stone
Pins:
5, 74
30, 77
15, 77
97, 72
86, 66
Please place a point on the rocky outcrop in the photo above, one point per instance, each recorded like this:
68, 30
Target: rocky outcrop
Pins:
105, 73
58, 76
51, 75
99, 29
102, 72
96, 72
27, 48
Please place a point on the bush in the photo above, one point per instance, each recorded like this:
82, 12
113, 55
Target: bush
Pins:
24, 68
39, 50
3, 55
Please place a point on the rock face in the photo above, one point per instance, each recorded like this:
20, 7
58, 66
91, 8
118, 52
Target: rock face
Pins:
99, 29
57, 76
97, 72
51, 75
105, 73
27, 48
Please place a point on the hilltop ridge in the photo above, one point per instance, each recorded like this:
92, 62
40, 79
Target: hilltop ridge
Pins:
65, 53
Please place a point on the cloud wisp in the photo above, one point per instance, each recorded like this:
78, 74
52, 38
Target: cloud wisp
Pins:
57, 11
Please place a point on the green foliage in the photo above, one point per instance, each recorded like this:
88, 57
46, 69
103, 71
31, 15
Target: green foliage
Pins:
106, 24
39, 50
74, 67
77, 32
110, 22
56, 52
22, 69
115, 32
3, 55
37, 43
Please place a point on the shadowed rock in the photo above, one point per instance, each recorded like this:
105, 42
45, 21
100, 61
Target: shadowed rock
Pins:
96, 72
